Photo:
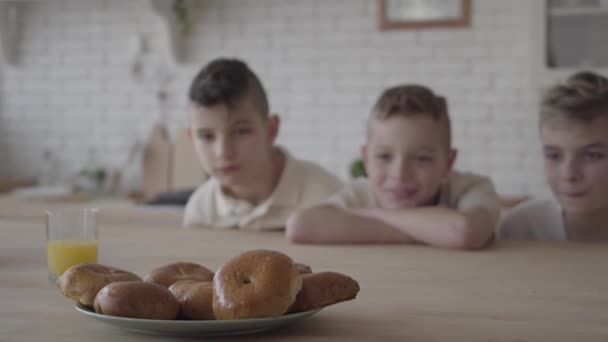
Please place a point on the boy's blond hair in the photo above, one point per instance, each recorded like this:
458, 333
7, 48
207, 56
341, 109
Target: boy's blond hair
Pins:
412, 100
583, 97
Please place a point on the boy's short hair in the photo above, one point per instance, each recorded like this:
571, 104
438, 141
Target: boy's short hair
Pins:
227, 81
583, 97
412, 100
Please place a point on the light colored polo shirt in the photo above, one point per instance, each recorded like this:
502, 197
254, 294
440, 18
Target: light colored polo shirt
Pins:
461, 191
302, 184
534, 220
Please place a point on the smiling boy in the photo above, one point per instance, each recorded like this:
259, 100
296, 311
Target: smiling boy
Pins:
574, 134
412, 195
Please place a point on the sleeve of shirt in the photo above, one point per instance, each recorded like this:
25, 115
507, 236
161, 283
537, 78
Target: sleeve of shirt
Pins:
479, 192
318, 186
352, 195
532, 220
340, 199
195, 210
512, 225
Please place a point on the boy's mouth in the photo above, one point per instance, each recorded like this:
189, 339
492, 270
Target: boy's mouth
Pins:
575, 194
403, 194
226, 170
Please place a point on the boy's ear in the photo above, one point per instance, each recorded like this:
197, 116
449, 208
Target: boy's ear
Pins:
273, 127
364, 154
452, 154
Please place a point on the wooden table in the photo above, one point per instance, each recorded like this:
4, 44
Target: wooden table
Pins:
112, 210
512, 292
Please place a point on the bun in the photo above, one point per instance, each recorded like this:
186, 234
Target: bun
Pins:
253, 284
303, 268
258, 283
195, 299
323, 289
171, 273
136, 299
82, 282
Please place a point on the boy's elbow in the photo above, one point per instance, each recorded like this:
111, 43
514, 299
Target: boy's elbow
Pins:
465, 236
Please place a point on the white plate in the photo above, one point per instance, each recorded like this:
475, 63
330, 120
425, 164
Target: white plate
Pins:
197, 328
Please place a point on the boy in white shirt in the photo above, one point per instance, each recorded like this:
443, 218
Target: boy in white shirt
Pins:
254, 184
412, 195
574, 133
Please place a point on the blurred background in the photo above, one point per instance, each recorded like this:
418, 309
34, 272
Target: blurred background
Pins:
91, 91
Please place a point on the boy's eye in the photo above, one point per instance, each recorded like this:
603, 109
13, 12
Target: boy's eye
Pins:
242, 131
383, 157
552, 156
206, 136
595, 155
424, 159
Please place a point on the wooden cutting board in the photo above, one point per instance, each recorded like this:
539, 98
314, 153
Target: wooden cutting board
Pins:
156, 168
10, 184
186, 170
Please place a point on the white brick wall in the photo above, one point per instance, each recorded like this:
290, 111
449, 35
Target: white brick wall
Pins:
323, 63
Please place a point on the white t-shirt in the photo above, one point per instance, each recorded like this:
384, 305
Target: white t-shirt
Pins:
461, 191
533, 220
302, 184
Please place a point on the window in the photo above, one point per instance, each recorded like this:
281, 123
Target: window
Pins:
568, 36
576, 33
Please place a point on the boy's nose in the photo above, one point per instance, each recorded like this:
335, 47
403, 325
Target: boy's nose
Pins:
571, 171
402, 171
224, 149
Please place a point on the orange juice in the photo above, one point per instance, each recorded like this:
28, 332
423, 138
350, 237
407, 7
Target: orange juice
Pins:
63, 254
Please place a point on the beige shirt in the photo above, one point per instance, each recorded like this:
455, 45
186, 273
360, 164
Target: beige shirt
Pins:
461, 191
302, 184
533, 220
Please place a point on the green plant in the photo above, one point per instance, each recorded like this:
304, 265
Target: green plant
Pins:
180, 10
96, 176
357, 169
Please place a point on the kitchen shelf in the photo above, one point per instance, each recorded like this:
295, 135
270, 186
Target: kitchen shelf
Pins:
577, 11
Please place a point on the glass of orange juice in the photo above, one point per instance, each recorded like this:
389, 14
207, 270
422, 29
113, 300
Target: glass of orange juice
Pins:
72, 238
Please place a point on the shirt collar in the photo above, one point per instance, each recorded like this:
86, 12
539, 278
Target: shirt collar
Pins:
285, 194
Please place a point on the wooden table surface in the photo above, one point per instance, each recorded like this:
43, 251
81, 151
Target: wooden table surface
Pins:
511, 292
112, 210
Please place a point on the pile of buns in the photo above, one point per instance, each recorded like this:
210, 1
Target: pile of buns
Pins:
254, 284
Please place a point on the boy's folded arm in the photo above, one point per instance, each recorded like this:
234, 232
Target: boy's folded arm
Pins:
441, 227
331, 224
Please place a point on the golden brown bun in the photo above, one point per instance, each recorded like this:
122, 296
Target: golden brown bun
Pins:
137, 299
323, 289
171, 273
195, 299
82, 282
303, 268
258, 283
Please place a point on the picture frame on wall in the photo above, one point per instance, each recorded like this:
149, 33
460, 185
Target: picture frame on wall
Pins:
415, 14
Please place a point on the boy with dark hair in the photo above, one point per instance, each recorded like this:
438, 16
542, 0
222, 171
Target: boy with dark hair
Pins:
254, 184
